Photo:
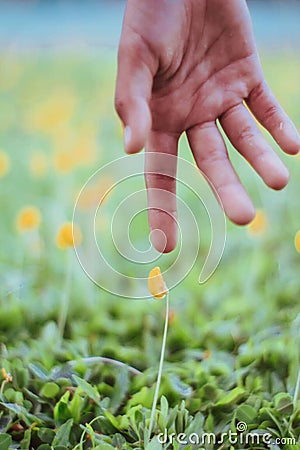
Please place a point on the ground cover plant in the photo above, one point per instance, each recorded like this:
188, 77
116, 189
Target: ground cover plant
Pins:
79, 365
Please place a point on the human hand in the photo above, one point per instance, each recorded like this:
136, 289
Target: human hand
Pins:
183, 65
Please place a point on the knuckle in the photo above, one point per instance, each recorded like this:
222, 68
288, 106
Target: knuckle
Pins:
213, 157
245, 134
258, 91
159, 180
119, 104
270, 114
132, 46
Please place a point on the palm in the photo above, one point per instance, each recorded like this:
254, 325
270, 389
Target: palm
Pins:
183, 65
215, 68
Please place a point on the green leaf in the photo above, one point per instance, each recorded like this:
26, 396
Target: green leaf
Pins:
178, 386
104, 446
75, 406
112, 419
269, 413
63, 434
196, 426
209, 392
283, 403
120, 389
5, 441
164, 406
118, 441
20, 377
25, 443
61, 409
46, 435
246, 413
50, 390
87, 389
143, 397
154, 444
232, 397
163, 415
21, 412
39, 372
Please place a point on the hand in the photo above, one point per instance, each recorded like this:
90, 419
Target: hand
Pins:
183, 66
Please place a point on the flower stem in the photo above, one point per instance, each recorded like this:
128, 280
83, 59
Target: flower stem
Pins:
4, 382
64, 309
297, 389
161, 362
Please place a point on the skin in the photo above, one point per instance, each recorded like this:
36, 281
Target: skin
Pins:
192, 66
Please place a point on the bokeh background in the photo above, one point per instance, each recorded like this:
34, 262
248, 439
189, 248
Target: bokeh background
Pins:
57, 126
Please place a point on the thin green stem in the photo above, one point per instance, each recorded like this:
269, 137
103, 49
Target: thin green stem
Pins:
4, 382
297, 386
161, 362
297, 390
64, 309
80, 444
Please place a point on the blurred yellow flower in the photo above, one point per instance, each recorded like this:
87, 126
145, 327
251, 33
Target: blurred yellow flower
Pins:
172, 317
64, 161
259, 224
94, 195
53, 113
85, 152
69, 235
38, 164
74, 148
4, 164
297, 241
28, 219
156, 284
206, 354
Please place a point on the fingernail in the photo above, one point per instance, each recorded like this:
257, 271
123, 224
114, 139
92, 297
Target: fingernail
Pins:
127, 137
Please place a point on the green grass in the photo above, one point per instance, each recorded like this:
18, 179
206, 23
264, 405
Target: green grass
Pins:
232, 350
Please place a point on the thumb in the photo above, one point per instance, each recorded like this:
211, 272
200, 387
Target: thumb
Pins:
133, 90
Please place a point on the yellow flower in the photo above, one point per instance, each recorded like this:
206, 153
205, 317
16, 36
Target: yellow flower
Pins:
4, 164
259, 224
7, 376
156, 284
297, 241
69, 235
28, 219
38, 164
